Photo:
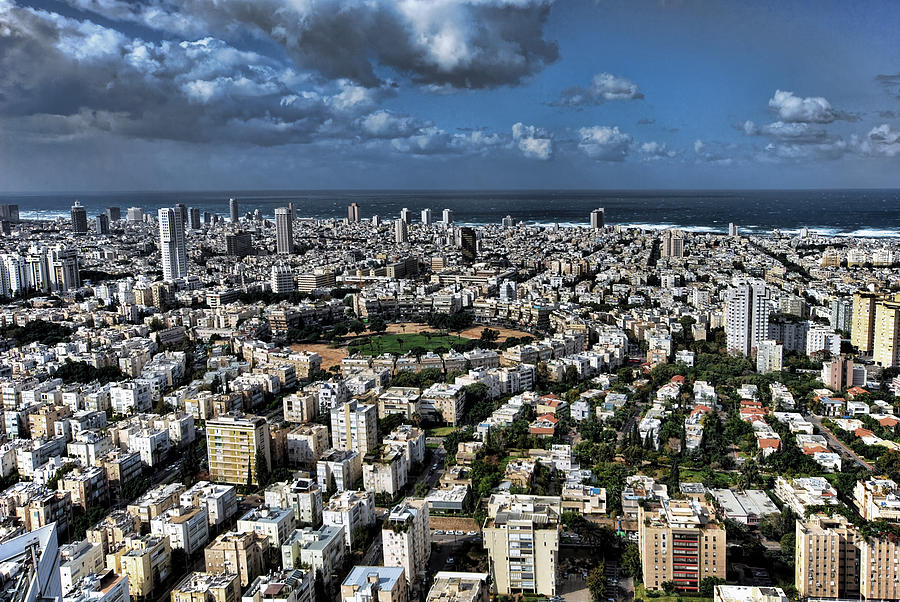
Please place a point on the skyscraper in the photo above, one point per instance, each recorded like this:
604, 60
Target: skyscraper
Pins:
598, 218
747, 309
732, 229
79, 219
185, 217
405, 215
171, 244
233, 210
195, 218
284, 231
102, 224
113, 213
448, 217
507, 222
426, 216
353, 213
292, 211
467, 241
672, 243
401, 233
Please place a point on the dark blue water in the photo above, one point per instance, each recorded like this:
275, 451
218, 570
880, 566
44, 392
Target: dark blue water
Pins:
858, 212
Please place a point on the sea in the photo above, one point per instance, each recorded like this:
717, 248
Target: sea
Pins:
861, 213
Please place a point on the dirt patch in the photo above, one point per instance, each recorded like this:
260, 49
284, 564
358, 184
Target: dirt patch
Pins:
470, 333
330, 356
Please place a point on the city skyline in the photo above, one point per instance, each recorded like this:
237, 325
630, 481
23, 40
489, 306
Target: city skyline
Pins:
531, 94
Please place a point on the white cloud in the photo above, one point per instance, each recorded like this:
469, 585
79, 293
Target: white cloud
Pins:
604, 143
653, 150
812, 109
603, 87
882, 140
534, 142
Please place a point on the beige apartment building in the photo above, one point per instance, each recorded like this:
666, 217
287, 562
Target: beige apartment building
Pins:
233, 444
147, 561
862, 331
826, 563
240, 553
521, 536
681, 542
886, 342
879, 571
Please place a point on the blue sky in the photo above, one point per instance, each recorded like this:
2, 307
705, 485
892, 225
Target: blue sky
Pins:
204, 94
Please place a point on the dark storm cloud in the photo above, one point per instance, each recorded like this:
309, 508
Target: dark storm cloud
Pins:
66, 77
458, 43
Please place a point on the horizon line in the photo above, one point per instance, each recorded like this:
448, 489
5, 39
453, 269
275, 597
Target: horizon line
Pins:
234, 191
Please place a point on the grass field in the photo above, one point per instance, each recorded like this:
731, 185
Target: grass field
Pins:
441, 431
401, 343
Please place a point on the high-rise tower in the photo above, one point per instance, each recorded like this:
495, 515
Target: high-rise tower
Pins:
233, 210
171, 244
598, 218
284, 231
79, 219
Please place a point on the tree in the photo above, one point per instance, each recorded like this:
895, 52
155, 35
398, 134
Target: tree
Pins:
489, 336
668, 587
377, 325
596, 583
788, 545
631, 561
708, 586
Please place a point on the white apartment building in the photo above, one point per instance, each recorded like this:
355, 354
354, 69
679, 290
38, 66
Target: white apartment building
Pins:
349, 510
748, 305
186, 527
354, 427
406, 539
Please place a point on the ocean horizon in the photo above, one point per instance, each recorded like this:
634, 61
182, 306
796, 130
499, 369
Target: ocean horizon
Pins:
849, 212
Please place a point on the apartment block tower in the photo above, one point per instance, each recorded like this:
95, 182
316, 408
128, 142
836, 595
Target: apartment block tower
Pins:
406, 540
233, 445
353, 213
681, 542
521, 535
354, 427
672, 244
284, 231
862, 331
748, 305
172, 245
598, 218
826, 558
886, 340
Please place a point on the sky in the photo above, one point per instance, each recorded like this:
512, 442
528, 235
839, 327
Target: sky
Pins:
104, 95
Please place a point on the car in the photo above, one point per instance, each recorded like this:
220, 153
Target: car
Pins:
434, 467
471, 533
460, 533
439, 532
451, 560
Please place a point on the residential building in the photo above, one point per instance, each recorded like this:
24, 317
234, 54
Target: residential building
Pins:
375, 583
451, 586
748, 306
521, 535
289, 585
322, 550
236, 445
207, 587
826, 558
186, 527
406, 540
284, 231
338, 470
275, 523
146, 561
241, 553
302, 495
681, 542
354, 427
350, 510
